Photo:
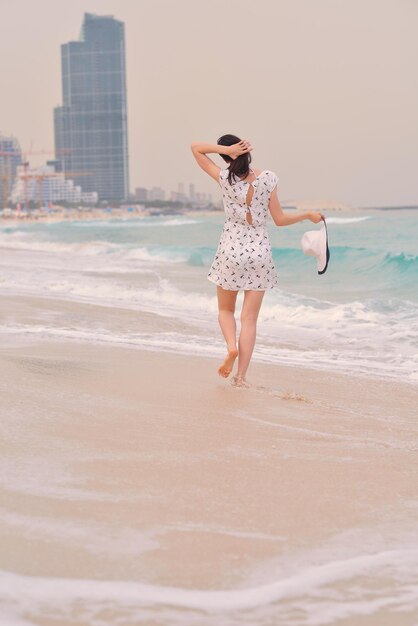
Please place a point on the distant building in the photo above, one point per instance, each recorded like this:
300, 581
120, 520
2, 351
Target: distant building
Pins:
156, 193
91, 125
43, 185
141, 194
177, 196
10, 159
203, 198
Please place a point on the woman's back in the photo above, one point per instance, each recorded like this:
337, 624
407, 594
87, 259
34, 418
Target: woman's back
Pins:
237, 197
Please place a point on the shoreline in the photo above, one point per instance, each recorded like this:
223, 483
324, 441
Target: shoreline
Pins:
113, 469
75, 215
26, 328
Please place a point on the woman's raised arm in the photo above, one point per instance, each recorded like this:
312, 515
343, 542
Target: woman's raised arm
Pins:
200, 151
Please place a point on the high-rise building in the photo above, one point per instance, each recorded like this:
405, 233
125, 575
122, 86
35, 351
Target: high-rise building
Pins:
91, 125
10, 158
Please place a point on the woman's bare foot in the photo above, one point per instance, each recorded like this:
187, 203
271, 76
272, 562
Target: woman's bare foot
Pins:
240, 381
226, 368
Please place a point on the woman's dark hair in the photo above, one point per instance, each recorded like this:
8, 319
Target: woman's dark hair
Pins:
239, 167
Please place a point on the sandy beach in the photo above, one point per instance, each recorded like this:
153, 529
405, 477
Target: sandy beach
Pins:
204, 503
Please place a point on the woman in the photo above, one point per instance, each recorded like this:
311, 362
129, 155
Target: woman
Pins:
243, 259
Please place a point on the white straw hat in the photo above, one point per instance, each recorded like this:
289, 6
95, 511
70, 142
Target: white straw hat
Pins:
315, 243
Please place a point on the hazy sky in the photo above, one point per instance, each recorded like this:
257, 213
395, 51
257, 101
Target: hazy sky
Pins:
326, 90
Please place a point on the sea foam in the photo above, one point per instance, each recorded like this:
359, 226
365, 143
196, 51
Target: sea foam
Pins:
44, 594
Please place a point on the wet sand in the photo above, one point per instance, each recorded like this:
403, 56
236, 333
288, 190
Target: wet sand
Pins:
148, 469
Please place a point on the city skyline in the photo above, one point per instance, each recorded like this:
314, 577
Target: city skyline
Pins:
337, 118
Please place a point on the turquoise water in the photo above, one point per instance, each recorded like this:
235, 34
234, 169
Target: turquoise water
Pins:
360, 315
373, 255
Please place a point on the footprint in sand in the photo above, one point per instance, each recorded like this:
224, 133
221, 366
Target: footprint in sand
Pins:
283, 395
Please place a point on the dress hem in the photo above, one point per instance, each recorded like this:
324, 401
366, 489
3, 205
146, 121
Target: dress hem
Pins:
238, 288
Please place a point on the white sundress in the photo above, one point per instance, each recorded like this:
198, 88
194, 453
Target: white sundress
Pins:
244, 259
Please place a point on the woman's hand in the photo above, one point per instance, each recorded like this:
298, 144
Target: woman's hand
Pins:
315, 216
239, 148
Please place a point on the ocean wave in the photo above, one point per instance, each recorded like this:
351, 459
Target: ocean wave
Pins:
143, 222
160, 255
352, 260
373, 265
318, 347
310, 585
403, 261
31, 243
73, 280
178, 221
348, 220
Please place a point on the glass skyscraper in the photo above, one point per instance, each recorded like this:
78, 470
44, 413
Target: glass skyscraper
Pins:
91, 125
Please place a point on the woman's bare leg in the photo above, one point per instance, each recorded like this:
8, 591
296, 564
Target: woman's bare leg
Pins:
249, 315
226, 317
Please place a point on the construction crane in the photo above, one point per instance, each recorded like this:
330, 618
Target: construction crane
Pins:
25, 164
5, 175
26, 175
40, 176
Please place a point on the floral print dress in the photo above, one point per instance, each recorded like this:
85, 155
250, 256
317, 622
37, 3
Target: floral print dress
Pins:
243, 259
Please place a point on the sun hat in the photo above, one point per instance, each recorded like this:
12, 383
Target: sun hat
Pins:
315, 243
